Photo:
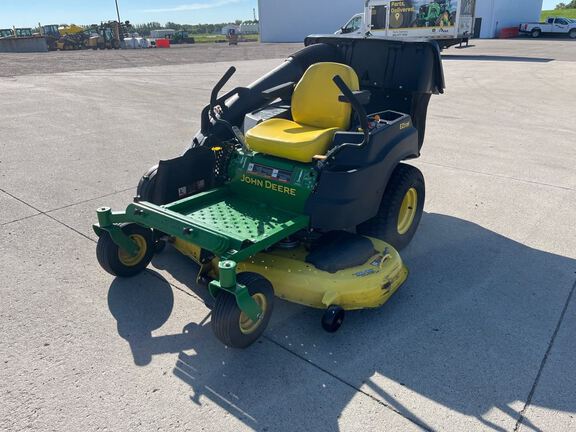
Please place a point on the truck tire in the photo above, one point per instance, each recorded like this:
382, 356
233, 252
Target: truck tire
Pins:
536, 33
400, 210
572, 33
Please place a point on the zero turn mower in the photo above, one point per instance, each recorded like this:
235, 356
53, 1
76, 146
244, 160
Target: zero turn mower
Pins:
290, 188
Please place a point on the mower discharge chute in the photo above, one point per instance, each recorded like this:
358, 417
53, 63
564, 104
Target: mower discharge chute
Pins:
290, 188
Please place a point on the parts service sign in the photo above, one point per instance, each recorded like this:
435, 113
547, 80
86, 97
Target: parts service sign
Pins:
423, 18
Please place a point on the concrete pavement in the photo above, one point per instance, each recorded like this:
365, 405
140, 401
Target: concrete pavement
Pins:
479, 338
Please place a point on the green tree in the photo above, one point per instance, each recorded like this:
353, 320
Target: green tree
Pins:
173, 25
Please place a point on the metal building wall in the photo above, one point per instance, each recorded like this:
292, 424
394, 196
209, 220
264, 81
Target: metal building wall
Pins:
498, 14
293, 20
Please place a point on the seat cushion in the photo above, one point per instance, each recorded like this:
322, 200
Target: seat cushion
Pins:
315, 98
287, 139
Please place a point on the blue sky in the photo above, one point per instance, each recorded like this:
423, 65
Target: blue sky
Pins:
27, 13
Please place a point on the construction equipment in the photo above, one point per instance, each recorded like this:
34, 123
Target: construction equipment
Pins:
16, 33
64, 37
232, 36
51, 34
23, 32
309, 203
109, 35
181, 37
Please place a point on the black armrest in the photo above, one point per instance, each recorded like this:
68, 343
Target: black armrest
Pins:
363, 97
282, 91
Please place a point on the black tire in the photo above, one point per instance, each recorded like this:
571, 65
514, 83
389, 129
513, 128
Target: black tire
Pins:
115, 261
145, 189
536, 33
572, 34
226, 315
405, 180
333, 318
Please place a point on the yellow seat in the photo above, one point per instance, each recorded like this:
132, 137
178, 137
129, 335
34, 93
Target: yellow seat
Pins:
316, 112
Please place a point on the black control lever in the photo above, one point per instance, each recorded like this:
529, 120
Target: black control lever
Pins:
213, 100
218, 87
356, 105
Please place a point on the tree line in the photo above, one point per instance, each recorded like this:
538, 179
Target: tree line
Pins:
571, 5
146, 28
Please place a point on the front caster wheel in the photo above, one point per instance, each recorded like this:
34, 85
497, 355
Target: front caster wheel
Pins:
232, 326
117, 261
333, 318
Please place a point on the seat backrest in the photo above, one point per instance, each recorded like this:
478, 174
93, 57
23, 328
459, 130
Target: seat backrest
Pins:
315, 98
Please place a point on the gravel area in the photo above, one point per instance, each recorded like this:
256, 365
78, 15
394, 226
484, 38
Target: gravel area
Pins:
16, 64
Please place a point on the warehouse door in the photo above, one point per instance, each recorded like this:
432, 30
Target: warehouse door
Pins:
477, 27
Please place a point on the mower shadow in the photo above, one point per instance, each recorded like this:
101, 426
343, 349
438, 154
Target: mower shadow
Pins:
141, 305
464, 337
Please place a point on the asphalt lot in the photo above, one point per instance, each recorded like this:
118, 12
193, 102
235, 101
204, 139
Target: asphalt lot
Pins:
481, 337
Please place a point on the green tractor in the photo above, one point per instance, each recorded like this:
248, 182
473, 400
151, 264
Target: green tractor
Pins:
295, 186
181, 37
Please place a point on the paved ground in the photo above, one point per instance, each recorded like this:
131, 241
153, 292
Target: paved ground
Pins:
481, 337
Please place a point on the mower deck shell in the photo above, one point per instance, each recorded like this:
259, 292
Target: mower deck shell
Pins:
368, 285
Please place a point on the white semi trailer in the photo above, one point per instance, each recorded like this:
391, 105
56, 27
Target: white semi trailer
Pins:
449, 22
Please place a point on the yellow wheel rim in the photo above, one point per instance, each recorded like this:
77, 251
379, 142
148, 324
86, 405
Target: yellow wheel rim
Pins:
248, 326
407, 211
132, 260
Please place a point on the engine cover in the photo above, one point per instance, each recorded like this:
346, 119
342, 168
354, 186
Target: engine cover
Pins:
277, 182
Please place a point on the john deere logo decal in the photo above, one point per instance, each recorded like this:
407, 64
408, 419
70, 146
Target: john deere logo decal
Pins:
267, 184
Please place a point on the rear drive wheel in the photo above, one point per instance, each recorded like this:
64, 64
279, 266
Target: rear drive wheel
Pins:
145, 192
572, 33
119, 262
400, 209
145, 189
232, 326
535, 33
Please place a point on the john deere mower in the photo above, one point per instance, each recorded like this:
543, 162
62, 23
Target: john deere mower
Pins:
294, 187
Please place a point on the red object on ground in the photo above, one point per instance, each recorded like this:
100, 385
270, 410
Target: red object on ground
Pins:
162, 43
508, 32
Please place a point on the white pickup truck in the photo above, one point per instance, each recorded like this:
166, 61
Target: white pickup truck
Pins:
558, 25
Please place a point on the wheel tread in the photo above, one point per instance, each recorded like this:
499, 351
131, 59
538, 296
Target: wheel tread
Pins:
225, 314
383, 225
107, 252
